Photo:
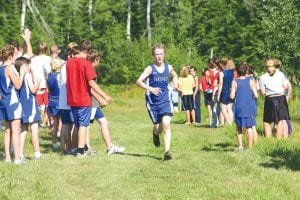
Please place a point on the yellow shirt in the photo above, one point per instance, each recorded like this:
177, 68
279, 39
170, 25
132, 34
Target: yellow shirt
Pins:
186, 84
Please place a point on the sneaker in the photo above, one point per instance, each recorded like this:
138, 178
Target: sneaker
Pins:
73, 151
37, 156
241, 149
156, 141
42, 125
167, 156
81, 155
115, 149
19, 162
90, 152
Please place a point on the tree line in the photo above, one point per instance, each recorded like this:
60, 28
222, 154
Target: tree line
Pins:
192, 30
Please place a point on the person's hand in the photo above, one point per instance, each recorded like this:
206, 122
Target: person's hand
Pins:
155, 90
23, 69
102, 102
26, 35
108, 99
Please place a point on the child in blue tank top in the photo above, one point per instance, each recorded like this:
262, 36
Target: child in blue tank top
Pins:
242, 90
30, 112
53, 98
154, 80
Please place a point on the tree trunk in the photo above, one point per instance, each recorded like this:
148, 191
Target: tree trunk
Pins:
148, 22
90, 15
129, 20
23, 15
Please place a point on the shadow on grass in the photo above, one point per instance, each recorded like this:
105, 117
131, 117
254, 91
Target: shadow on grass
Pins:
289, 159
219, 147
141, 155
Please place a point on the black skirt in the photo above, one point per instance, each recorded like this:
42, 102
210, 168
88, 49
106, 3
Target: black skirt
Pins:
276, 109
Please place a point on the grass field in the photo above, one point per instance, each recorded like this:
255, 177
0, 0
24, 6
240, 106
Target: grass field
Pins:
205, 163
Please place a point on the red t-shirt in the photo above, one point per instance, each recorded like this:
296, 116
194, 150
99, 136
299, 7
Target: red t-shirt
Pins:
204, 83
79, 73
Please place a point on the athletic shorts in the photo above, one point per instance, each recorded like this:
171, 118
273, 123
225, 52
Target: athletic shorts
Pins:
156, 112
208, 99
188, 102
31, 119
81, 116
96, 113
245, 122
12, 112
53, 110
276, 109
42, 99
225, 98
66, 116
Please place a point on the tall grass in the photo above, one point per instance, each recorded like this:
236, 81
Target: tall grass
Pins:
205, 163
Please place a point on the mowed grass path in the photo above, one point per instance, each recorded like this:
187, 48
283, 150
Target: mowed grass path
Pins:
205, 164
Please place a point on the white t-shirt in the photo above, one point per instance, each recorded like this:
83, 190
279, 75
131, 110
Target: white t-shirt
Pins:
273, 85
41, 67
62, 83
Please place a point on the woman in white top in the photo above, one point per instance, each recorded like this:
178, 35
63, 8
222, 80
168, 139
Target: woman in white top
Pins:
273, 84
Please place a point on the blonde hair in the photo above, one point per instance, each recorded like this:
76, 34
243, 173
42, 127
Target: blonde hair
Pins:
270, 66
158, 46
184, 72
55, 65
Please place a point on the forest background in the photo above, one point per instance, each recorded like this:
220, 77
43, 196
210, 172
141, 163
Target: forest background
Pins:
192, 30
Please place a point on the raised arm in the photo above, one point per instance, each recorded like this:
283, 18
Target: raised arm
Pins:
220, 86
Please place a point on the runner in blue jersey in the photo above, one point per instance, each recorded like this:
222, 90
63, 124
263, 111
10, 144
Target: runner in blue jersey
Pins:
154, 80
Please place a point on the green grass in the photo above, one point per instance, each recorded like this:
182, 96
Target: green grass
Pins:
205, 164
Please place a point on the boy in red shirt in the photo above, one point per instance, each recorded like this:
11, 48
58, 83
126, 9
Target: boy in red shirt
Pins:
80, 81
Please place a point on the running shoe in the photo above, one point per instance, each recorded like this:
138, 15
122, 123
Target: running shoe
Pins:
115, 149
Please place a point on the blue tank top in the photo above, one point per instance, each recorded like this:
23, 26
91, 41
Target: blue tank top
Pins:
53, 89
227, 79
160, 80
8, 92
244, 106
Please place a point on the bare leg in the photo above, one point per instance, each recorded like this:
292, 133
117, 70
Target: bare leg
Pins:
16, 130
7, 140
82, 136
35, 137
166, 121
193, 116
188, 116
280, 129
105, 132
250, 137
255, 135
24, 129
268, 129
240, 137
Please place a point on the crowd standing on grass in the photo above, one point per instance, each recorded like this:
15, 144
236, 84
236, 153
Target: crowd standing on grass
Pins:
47, 91
54, 92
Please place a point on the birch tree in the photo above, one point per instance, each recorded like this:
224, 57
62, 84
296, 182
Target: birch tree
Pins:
149, 22
129, 21
90, 15
23, 15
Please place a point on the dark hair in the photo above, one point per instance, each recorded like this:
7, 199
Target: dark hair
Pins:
21, 61
14, 43
85, 46
43, 48
193, 67
93, 55
251, 69
242, 69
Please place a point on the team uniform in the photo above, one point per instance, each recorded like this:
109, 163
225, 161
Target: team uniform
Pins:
244, 115
53, 94
225, 93
79, 73
28, 101
64, 108
161, 105
10, 104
